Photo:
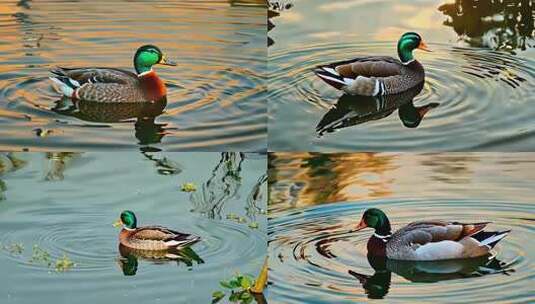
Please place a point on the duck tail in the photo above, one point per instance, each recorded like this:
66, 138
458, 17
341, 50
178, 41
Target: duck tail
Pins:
182, 240
66, 84
332, 77
490, 238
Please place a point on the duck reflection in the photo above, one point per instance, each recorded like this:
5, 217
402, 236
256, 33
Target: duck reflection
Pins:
377, 285
9, 162
353, 110
499, 25
146, 130
128, 261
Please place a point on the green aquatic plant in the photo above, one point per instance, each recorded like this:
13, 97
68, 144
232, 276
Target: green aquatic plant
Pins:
64, 264
243, 288
40, 256
188, 187
239, 287
242, 220
14, 248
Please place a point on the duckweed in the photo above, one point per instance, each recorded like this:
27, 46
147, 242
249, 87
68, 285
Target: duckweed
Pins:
15, 248
64, 264
40, 256
188, 187
242, 220
232, 216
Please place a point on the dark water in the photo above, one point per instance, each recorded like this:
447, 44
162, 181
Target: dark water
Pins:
478, 93
317, 199
215, 97
66, 204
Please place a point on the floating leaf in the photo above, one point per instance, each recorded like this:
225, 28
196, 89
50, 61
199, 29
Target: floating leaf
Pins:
225, 284
234, 297
246, 298
188, 187
235, 283
217, 296
253, 225
246, 282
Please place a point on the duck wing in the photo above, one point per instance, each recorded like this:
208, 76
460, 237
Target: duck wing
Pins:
435, 240
371, 66
424, 232
360, 74
96, 75
110, 93
170, 237
105, 85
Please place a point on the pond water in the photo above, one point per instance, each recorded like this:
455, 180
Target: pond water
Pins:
317, 199
478, 92
65, 204
215, 96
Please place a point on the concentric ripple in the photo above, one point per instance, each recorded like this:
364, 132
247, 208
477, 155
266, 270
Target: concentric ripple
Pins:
484, 101
215, 95
64, 205
312, 251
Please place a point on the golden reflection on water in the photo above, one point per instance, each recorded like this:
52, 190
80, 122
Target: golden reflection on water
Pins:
306, 179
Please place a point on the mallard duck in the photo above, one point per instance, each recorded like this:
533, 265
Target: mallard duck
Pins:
150, 238
378, 75
115, 85
428, 240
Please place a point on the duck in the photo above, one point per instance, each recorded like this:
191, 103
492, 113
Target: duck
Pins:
111, 85
378, 75
150, 238
431, 240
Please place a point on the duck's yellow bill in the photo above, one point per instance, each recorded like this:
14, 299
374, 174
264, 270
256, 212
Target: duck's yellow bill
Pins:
117, 223
166, 61
422, 46
361, 225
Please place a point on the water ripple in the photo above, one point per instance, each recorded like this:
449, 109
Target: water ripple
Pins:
483, 96
313, 249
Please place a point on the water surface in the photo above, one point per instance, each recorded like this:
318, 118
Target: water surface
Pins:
215, 96
478, 78
317, 199
65, 203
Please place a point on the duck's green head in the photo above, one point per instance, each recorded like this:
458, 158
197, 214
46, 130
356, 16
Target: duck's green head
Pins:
147, 56
376, 219
407, 43
127, 220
